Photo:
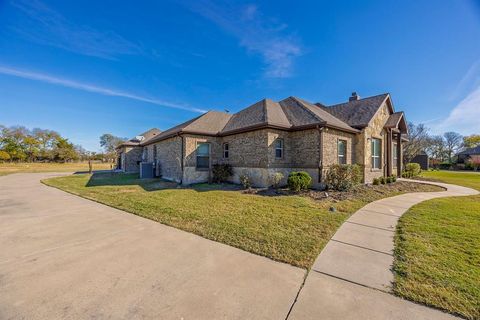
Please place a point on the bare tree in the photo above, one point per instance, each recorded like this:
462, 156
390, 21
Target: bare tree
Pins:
436, 148
418, 140
453, 142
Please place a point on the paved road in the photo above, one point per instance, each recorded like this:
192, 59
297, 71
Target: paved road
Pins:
64, 257
352, 277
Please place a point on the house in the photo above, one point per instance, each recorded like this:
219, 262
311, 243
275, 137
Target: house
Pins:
468, 153
284, 136
129, 153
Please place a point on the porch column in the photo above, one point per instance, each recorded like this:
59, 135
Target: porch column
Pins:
389, 152
399, 155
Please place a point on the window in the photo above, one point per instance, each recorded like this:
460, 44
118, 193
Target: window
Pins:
342, 152
279, 148
155, 153
376, 151
145, 154
225, 150
203, 156
395, 154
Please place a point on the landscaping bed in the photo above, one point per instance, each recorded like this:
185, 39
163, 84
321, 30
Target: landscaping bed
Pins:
291, 228
437, 249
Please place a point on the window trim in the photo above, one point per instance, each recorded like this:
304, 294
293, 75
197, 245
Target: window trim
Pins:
282, 148
379, 156
205, 156
344, 155
226, 150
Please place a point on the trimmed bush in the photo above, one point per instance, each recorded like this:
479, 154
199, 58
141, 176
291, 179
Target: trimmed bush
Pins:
221, 172
394, 178
376, 181
246, 181
412, 169
276, 179
299, 180
383, 180
389, 179
343, 177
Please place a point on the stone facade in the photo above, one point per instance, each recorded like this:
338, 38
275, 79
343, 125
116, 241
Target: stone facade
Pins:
252, 153
130, 158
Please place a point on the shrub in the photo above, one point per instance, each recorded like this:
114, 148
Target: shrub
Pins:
221, 172
4, 156
246, 181
389, 179
383, 180
343, 177
445, 166
394, 178
300, 180
276, 179
412, 169
376, 181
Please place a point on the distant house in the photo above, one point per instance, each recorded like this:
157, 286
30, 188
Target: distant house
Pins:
284, 136
467, 153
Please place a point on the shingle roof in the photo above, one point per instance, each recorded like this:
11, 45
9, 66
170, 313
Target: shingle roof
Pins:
317, 114
264, 112
394, 119
209, 123
290, 113
147, 135
356, 113
470, 151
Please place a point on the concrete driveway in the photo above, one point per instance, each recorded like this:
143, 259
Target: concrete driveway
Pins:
64, 257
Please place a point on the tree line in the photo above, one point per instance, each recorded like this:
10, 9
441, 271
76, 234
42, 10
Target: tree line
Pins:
439, 148
20, 144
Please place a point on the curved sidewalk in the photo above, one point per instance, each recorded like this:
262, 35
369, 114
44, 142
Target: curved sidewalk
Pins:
352, 276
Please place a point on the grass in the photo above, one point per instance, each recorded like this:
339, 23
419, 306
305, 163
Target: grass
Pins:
437, 250
288, 228
8, 168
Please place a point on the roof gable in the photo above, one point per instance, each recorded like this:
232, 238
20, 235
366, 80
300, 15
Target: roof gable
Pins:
359, 113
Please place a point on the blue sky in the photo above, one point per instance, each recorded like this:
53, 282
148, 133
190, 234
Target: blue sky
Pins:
93, 67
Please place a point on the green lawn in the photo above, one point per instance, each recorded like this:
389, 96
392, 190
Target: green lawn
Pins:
437, 252
8, 168
291, 229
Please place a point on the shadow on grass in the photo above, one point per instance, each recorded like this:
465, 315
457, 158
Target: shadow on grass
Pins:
109, 178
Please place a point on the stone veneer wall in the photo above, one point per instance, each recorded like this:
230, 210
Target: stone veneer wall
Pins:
374, 130
169, 156
130, 157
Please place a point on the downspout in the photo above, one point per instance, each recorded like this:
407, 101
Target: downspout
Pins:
320, 153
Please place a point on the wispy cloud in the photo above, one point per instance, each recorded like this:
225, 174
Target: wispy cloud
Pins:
470, 80
256, 32
92, 88
464, 117
46, 26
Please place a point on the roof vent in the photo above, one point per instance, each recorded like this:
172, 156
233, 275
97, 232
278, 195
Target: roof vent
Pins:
354, 97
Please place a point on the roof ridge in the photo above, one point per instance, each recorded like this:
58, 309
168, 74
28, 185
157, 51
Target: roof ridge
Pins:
361, 99
300, 102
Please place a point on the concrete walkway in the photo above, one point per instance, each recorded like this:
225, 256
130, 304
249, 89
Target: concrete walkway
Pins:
64, 257
352, 276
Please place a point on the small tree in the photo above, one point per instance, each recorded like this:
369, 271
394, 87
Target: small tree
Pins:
276, 179
453, 141
4, 156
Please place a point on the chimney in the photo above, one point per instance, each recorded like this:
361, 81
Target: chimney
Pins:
354, 97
